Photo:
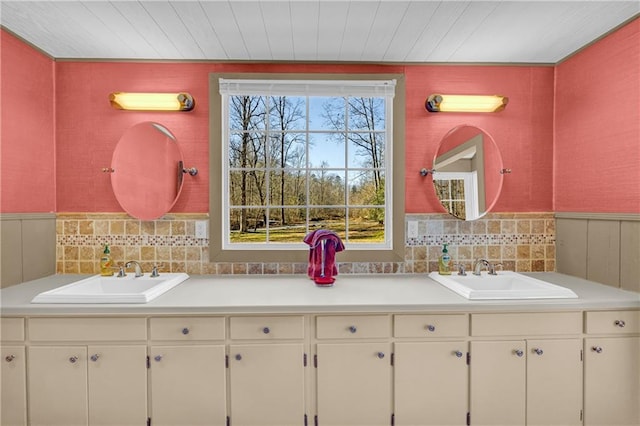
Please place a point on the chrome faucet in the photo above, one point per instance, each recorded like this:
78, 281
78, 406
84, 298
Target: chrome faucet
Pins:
478, 267
138, 269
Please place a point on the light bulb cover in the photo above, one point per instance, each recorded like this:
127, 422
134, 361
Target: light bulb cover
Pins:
465, 103
152, 101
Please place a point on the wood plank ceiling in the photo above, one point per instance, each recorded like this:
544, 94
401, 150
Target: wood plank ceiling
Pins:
311, 30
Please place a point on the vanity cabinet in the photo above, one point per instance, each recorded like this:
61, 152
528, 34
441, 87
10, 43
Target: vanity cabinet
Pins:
612, 368
13, 394
531, 380
431, 376
353, 370
187, 373
267, 370
73, 382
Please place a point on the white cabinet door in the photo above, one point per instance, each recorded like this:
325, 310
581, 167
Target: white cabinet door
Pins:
13, 410
57, 385
267, 384
188, 385
117, 385
612, 381
431, 382
354, 383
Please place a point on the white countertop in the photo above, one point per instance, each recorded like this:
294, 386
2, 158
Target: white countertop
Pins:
225, 294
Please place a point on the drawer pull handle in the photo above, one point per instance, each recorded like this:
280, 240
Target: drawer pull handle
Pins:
9, 358
620, 323
538, 351
597, 349
266, 330
95, 357
157, 358
185, 331
353, 329
431, 328
380, 355
73, 359
238, 357
458, 354
518, 352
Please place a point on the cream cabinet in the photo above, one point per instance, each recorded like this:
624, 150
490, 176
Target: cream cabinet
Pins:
534, 380
267, 370
431, 376
74, 383
353, 372
187, 373
13, 372
612, 368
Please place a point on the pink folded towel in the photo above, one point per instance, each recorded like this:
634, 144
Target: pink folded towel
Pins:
323, 243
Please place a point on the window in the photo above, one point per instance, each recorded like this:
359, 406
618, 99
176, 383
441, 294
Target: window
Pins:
299, 153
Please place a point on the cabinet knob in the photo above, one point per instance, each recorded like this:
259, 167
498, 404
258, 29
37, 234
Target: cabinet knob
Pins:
95, 357
380, 355
620, 323
597, 349
238, 357
9, 358
353, 329
431, 328
157, 358
266, 330
185, 331
73, 359
518, 352
538, 351
458, 354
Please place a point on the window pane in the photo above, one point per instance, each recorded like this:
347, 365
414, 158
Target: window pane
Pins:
287, 113
327, 150
247, 112
292, 230
247, 150
328, 218
366, 150
326, 113
288, 187
442, 189
326, 187
247, 225
366, 187
366, 114
366, 225
247, 188
287, 149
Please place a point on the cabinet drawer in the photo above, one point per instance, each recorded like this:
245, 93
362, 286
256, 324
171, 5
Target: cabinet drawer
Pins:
267, 327
353, 327
12, 329
186, 328
87, 329
526, 324
454, 325
613, 322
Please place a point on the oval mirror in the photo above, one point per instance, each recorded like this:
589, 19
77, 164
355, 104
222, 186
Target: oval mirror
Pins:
467, 172
147, 171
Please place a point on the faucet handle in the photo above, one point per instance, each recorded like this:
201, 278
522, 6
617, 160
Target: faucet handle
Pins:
154, 272
461, 270
492, 268
121, 273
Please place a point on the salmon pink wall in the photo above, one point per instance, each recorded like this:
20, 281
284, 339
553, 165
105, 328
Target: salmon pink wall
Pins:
88, 128
597, 126
27, 147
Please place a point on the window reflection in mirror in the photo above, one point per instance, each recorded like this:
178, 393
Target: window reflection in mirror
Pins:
467, 176
147, 171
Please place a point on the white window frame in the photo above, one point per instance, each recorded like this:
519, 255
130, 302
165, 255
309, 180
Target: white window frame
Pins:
309, 88
470, 190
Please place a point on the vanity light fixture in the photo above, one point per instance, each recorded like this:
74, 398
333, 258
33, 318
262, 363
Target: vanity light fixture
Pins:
152, 101
465, 103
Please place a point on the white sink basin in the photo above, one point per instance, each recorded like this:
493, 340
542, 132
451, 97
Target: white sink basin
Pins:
505, 285
98, 289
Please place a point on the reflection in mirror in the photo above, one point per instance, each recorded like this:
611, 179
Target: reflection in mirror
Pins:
147, 171
466, 175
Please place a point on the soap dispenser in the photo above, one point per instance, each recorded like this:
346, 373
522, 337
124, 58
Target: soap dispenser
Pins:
106, 263
444, 262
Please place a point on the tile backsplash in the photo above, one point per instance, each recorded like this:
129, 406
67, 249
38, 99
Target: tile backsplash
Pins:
520, 241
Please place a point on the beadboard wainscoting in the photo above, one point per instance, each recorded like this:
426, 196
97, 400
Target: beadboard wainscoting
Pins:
601, 247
